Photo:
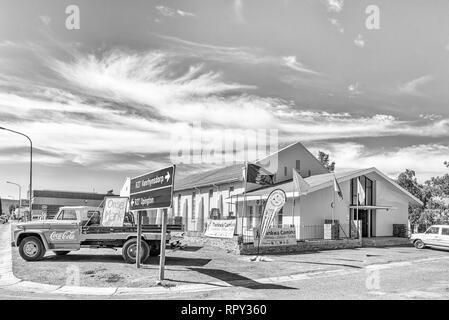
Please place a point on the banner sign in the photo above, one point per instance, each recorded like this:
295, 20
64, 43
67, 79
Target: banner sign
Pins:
153, 190
273, 205
221, 229
276, 236
114, 211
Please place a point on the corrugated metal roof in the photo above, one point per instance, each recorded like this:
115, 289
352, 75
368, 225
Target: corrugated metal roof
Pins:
313, 181
210, 177
320, 181
69, 194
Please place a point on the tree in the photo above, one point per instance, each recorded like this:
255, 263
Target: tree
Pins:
408, 181
446, 163
324, 159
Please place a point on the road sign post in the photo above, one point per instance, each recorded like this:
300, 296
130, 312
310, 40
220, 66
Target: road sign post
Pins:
153, 190
139, 238
163, 240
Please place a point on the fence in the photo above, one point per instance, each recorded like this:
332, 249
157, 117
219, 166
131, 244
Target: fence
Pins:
306, 232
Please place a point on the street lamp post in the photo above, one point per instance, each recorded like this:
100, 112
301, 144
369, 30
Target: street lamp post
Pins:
20, 191
31, 162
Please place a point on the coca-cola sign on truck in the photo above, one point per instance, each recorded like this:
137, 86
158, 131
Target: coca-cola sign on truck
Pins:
61, 236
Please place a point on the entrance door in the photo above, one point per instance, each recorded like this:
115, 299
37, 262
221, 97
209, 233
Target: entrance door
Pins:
363, 216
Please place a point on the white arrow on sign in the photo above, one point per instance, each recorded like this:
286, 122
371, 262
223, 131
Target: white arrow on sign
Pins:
167, 176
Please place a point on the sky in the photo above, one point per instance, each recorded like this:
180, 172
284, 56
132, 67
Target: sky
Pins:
112, 98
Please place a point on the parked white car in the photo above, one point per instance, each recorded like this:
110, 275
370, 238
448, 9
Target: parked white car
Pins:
435, 236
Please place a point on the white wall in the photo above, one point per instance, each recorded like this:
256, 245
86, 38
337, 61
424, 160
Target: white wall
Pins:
209, 203
388, 195
287, 158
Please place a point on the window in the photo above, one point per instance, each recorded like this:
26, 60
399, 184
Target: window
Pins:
445, 231
231, 188
280, 214
193, 205
433, 230
298, 165
368, 186
310, 173
211, 193
285, 171
251, 212
67, 214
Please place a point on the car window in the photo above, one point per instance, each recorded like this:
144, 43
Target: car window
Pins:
445, 231
69, 214
433, 230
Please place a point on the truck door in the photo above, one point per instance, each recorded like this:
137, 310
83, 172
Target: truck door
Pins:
64, 231
432, 237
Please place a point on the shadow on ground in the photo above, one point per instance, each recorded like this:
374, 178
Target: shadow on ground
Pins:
237, 280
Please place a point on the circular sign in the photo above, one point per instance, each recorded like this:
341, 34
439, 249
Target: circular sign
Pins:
277, 198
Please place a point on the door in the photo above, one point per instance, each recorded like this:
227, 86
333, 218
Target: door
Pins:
363, 218
445, 236
64, 231
432, 236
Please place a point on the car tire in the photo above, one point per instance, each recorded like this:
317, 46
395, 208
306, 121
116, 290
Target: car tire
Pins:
31, 249
61, 253
129, 251
419, 244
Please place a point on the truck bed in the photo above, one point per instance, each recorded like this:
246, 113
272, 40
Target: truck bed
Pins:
153, 228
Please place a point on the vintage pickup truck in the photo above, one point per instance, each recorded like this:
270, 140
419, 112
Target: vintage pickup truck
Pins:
73, 228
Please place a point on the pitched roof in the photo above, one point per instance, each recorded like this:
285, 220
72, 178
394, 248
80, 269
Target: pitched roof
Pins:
216, 176
321, 181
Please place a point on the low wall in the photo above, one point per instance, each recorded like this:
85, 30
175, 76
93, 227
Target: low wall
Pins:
230, 245
302, 246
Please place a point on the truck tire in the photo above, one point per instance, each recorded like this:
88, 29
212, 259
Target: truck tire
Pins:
31, 249
129, 251
61, 253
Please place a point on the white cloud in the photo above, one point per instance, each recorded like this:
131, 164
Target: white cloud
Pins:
168, 12
165, 11
411, 87
359, 42
426, 160
185, 13
238, 10
335, 5
291, 62
431, 117
337, 24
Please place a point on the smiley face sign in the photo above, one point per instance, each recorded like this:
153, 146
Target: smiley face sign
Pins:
277, 198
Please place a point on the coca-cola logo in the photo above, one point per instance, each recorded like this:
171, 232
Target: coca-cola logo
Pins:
61, 236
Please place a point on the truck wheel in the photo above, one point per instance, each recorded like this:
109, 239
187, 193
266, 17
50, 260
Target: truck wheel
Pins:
129, 251
31, 249
61, 253
419, 244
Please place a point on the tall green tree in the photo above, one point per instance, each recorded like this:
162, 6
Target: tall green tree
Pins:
325, 161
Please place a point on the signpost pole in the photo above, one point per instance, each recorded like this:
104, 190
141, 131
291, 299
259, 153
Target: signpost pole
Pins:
139, 238
163, 240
